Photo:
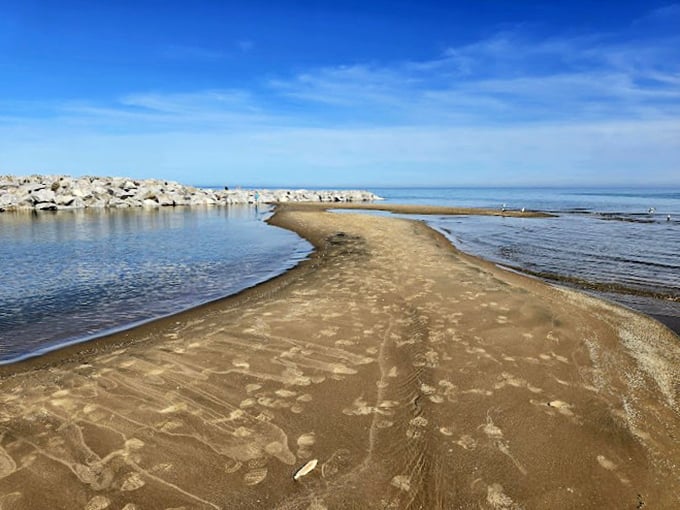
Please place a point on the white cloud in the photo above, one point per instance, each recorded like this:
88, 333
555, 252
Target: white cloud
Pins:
506, 110
503, 78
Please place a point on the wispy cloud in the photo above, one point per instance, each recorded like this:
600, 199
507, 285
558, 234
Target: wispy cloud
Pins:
509, 78
593, 109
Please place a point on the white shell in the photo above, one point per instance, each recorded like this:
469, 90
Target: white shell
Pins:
306, 469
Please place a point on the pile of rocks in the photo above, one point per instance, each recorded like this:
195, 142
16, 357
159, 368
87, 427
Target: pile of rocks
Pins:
52, 192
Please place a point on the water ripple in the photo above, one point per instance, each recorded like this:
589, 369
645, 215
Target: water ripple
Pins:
68, 276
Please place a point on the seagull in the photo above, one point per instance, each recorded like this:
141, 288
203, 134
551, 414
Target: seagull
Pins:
522, 209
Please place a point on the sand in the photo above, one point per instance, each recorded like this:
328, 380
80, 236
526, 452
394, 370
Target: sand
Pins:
416, 377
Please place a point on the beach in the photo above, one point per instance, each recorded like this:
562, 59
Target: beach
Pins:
415, 375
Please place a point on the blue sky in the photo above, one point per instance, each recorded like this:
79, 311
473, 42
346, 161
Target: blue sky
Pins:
343, 93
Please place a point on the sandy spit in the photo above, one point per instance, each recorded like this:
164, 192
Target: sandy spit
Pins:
419, 377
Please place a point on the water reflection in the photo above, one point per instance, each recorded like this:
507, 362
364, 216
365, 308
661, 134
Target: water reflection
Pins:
71, 274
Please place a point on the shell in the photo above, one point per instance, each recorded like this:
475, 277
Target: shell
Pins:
306, 469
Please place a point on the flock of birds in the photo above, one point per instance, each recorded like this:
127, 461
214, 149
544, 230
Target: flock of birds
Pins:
651, 210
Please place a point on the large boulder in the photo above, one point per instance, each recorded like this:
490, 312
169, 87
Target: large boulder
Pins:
46, 206
38, 191
65, 199
8, 201
43, 195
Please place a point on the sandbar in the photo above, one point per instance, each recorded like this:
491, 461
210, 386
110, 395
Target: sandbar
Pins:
415, 375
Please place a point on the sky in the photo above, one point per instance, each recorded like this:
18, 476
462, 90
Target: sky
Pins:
343, 94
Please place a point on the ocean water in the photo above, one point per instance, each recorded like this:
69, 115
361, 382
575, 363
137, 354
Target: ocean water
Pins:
618, 243
71, 276
74, 275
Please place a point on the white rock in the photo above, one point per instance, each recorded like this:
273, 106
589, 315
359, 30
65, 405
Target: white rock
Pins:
43, 195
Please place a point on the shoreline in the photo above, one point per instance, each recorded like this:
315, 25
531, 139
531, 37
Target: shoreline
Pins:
670, 322
417, 375
578, 284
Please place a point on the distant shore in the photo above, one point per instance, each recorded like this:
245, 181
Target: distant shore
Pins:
59, 192
415, 375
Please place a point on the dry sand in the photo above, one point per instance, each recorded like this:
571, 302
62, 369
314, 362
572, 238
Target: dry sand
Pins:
417, 376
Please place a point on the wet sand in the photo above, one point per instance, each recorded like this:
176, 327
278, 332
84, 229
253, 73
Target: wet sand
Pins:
417, 376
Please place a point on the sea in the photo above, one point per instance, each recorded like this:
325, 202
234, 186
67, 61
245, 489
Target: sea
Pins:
619, 244
71, 276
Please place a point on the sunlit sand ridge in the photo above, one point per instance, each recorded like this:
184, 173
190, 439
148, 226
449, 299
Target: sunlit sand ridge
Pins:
416, 377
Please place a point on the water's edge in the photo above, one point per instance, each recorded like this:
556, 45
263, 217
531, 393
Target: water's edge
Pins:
673, 323
79, 332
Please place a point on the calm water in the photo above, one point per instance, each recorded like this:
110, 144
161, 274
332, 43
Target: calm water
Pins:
602, 240
70, 276
73, 275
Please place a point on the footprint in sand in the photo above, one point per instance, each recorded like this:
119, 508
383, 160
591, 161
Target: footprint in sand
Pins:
427, 389
255, 476
466, 442
163, 467
491, 430
250, 388
449, 390
401, 482
98, 503
132, 482
284, 393
307, 439
498, 499
416, 427
249, 402
606, 463
447, 431
562, 407
359, 408
232, 466
336, 463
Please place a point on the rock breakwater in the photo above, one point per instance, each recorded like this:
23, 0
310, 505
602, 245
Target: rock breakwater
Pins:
54, 192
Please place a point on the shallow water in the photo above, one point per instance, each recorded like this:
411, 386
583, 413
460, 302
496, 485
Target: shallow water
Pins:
69, 276
602, 240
